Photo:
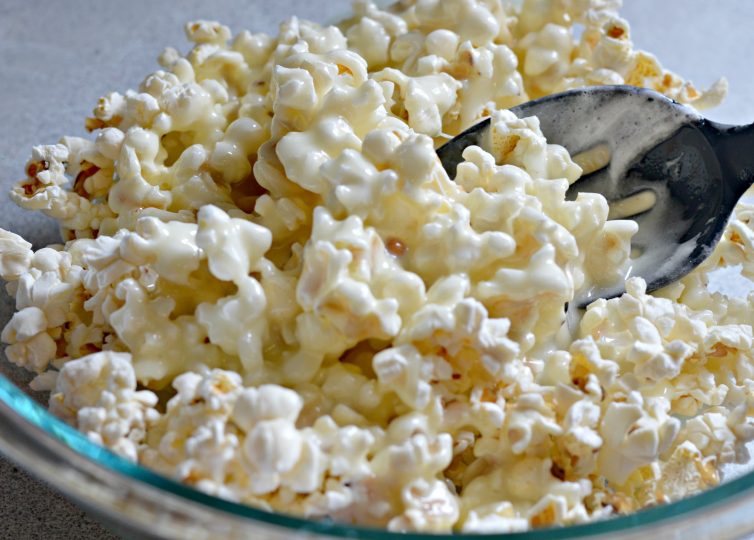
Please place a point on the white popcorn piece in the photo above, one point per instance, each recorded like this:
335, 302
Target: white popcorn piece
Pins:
24, 325
404, 371
371, 40
267, 402
495, 518
170, 248
425, 99
472, 20
712, 436
548, 54
581, 440
274, 446
344, 282
686, 472
429, 506
192, 440
633, 438
97, 393
15, 255
207, 32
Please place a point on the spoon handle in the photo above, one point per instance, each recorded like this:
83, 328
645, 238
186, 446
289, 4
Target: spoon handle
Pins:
734, 146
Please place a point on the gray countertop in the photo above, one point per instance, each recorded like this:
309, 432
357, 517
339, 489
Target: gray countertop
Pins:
58, 58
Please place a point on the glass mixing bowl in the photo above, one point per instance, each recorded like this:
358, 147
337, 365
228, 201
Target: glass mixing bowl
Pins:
135, 502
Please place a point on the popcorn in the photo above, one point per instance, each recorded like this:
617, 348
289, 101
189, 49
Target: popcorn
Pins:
495, 518
580, 440
491, 80
425, 100
15, 256
274, 446
349, 332
530, 424
548, 52
25, 324
712, 436
557, 508
98, 394
192, 440
44, 293
401, 369
686, 472
632, 438
267, 402
371, 40
474, 21
207, 32
343, 288
429, 506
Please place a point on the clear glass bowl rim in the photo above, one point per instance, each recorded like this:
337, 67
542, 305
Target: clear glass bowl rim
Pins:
55, 429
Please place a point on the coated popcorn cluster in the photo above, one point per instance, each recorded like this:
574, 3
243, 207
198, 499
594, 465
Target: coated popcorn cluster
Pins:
271, 290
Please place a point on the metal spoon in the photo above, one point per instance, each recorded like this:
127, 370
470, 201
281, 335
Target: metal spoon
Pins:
656, 161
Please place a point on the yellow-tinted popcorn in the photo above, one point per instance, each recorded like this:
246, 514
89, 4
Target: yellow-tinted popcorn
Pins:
263, 235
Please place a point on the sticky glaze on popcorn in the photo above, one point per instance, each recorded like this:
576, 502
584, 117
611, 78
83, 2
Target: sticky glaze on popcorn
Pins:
263, 236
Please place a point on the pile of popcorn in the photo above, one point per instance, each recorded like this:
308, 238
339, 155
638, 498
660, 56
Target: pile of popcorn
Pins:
271, 290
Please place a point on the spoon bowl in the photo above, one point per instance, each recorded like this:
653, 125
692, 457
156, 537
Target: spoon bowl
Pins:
657, 162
